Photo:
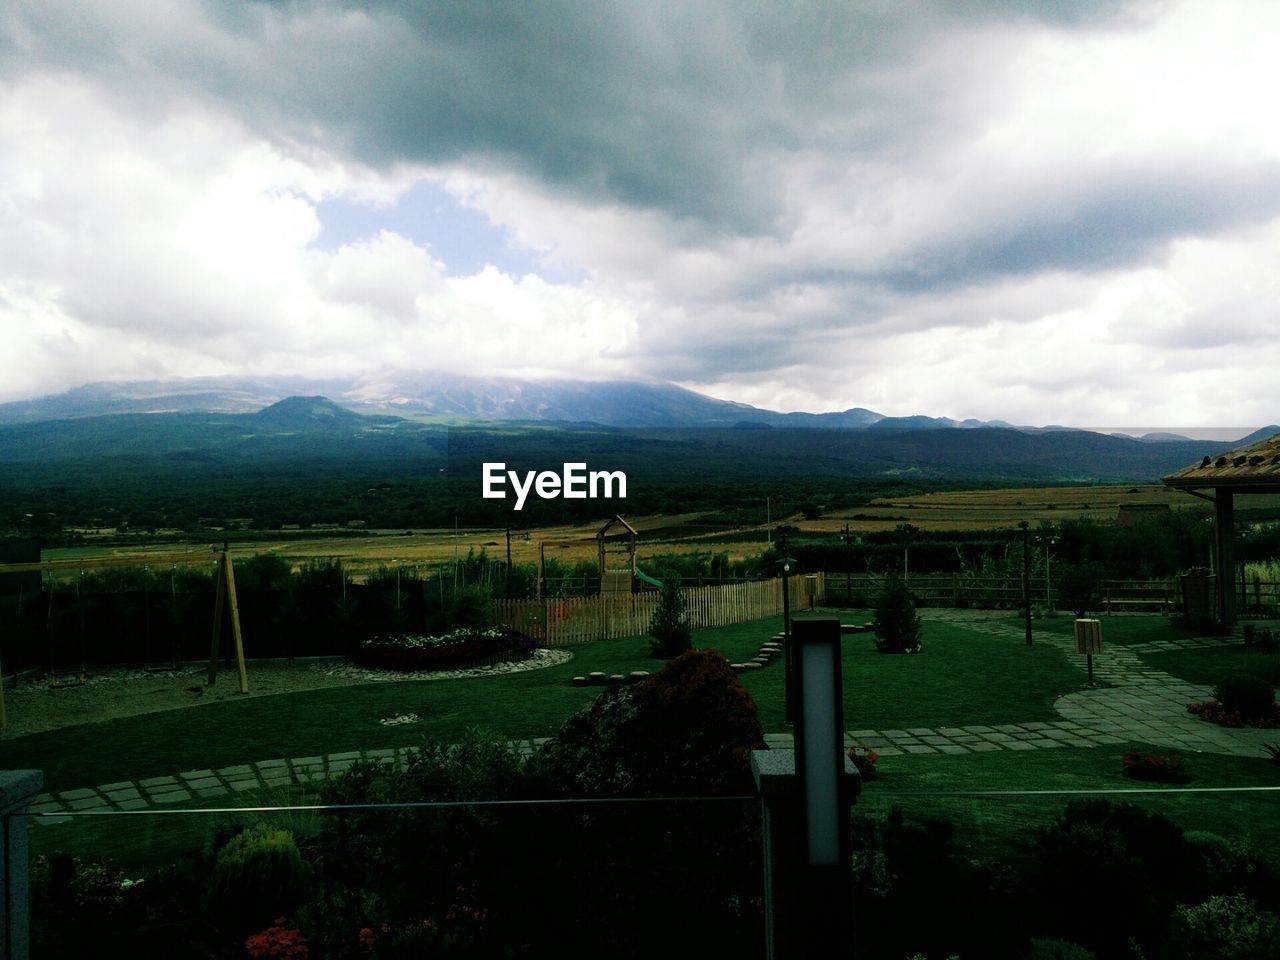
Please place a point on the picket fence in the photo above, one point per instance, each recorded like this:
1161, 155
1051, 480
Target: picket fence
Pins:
563, 621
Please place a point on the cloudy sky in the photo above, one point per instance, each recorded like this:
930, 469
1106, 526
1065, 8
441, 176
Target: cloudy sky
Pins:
1042, 212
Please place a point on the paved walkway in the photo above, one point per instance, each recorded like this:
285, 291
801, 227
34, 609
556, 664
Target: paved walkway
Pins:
1132, 703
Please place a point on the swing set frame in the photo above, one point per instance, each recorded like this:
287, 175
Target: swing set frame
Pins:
225, 599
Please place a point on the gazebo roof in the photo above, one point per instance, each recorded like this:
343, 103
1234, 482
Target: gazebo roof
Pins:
1255, 468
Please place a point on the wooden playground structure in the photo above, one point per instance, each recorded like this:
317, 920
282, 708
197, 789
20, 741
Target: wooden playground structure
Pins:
618, 579
225, 599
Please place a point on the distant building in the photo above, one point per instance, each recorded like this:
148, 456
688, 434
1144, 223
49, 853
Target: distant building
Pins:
1133, 513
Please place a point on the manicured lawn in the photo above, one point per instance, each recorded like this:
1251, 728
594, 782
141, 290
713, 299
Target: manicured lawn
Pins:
1208, 665
987, 824
1121, 630
962, 677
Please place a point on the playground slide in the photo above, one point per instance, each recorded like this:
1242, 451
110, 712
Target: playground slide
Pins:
644, 577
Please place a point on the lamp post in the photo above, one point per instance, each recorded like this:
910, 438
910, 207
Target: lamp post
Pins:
786, 562
847, 539
1048, 540
1026, 576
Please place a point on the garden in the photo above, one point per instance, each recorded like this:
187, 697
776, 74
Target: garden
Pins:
633, 825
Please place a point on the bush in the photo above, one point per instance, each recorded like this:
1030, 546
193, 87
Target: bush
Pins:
1132, 864
689, 728
1226, 928
259, 875
1155, 768
1058, 950
669, 630
896, 624
1251, 697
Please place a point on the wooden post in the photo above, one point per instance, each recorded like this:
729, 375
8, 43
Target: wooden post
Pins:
235, 623
227, 595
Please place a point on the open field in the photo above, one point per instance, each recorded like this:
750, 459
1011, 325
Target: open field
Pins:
1004, 508
363, 551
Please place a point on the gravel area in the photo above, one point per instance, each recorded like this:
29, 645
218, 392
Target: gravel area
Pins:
121, 692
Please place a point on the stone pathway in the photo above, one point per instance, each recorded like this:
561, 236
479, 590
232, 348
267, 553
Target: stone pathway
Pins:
1132, 703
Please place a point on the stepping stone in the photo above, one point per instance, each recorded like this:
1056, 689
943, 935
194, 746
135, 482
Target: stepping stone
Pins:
617, 679
579, 681
116, 796
596, 676
78, 794
638, 675
88, 803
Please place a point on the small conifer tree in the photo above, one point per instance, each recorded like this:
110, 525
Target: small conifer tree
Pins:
670, 633
896, 623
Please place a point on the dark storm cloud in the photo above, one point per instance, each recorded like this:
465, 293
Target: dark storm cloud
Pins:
683, 108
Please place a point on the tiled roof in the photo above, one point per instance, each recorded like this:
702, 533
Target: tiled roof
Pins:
1257, 464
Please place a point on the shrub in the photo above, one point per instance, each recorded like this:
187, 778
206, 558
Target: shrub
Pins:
896, 623
259, 875
1132, 864
688, 728
1155, 768
1251, 697
669, 630
1058, 950
1263, 638
1226, 928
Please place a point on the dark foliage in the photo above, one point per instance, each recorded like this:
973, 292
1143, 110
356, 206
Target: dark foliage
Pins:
669, 630
896, 623
1130, 864
1080, 587
1251, 697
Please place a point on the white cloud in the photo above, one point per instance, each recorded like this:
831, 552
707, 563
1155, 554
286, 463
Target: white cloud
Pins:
952, 212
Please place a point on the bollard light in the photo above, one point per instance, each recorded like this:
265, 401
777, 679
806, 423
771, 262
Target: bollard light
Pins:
819, 739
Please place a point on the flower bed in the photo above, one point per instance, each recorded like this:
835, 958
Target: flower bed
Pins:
457, 650
1214, 712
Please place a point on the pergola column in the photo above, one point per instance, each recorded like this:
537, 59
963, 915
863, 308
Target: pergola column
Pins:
1224, 535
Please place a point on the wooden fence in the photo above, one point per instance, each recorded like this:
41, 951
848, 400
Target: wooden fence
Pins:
561, 621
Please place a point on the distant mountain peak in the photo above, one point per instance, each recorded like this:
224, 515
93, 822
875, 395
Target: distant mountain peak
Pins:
308, 412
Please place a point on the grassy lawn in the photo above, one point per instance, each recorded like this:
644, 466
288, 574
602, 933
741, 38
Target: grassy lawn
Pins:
1121, 630
988, 824
1209, 665
960, 678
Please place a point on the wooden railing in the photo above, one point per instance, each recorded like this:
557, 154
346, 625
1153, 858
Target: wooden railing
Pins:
559, 622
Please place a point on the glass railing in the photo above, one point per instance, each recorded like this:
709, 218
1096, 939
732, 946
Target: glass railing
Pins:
602, 878
1151, 871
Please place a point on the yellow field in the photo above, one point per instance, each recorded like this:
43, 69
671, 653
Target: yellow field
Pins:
959, 510
996, 509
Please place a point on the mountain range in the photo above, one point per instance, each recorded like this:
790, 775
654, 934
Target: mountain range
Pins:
655, 428
454, 398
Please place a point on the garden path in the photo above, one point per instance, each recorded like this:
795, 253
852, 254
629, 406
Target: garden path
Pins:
1131, 703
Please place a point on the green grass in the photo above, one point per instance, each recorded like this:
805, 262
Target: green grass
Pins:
1208, 665
986, 825
961, 677
1121, 630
